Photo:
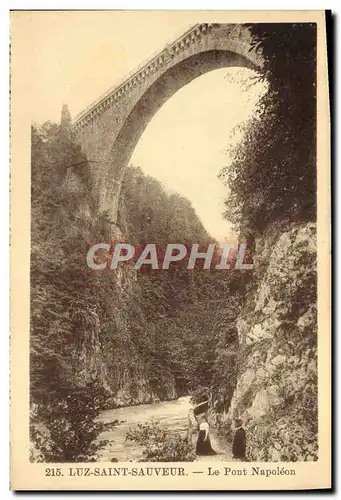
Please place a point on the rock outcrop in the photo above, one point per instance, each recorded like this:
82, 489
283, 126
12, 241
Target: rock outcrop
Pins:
276, 389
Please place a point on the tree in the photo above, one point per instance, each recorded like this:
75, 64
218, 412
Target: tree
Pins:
276, 161
65, 121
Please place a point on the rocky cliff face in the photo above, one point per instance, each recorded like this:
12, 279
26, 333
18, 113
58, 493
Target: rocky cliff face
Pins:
276, 390
107, 351
113, 359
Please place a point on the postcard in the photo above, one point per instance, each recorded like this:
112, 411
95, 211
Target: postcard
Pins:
170, 273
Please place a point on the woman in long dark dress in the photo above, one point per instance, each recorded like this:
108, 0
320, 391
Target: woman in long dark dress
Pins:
203, 442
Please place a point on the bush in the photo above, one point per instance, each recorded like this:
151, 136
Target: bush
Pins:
66, 430
161, 445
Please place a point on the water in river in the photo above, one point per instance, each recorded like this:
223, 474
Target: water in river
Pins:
170, 414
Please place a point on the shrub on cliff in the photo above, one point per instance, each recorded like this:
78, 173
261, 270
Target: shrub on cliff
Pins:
276, 160
160, 445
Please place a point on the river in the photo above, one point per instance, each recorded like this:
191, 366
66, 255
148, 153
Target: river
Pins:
170, 414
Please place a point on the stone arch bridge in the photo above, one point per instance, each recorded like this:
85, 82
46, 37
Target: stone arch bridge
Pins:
109, 129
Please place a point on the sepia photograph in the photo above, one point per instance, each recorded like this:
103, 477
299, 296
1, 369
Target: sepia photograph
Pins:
177, 204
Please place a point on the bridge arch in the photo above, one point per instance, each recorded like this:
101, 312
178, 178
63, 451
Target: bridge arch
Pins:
110, 128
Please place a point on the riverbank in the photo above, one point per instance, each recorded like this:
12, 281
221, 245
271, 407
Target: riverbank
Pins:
172, 415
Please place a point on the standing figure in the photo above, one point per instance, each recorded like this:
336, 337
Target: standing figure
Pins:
239, 441
203, 442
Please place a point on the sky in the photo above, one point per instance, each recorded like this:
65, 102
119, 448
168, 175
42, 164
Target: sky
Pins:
193, 131
75, 57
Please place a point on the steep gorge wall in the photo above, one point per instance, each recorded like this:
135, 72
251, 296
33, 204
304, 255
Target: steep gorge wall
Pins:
134, 327
276, 389
110, 356
95, 334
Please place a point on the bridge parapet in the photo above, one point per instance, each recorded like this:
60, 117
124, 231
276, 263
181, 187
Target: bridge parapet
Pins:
144, 71
238, 41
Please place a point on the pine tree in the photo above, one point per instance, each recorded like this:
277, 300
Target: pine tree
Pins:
65, 121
